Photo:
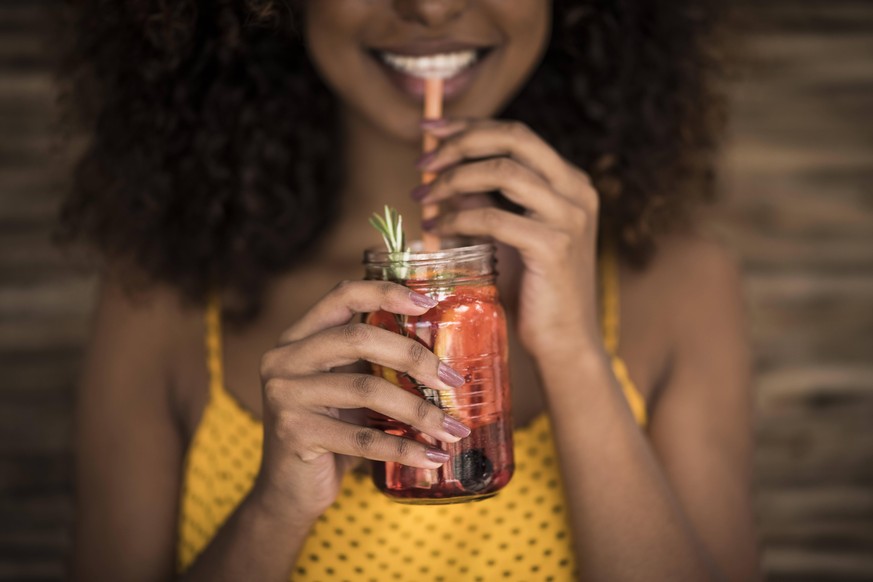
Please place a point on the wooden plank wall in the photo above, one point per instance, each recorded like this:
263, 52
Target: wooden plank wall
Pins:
798, 172
798, 181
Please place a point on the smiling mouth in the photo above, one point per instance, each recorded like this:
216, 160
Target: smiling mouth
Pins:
410, 66
440, 66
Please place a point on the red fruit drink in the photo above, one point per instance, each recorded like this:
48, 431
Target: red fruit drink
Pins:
467, 331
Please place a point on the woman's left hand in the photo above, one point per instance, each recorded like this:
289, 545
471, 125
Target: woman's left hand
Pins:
556, 237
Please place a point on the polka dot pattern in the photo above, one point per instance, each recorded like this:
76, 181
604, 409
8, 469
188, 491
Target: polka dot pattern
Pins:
220, 468
521, 534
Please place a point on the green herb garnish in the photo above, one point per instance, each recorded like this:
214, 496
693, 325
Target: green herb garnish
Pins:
391, 228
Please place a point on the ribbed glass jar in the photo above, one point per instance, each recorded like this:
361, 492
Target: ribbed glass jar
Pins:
467, 331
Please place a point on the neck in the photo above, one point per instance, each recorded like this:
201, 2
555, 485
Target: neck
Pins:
380, 170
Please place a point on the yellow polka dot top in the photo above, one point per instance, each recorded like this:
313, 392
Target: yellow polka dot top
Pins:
520, 534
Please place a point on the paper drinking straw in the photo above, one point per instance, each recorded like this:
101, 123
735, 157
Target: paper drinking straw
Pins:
433, 109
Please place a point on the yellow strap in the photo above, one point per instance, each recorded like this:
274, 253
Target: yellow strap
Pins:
634, 399
213, 345
610, 326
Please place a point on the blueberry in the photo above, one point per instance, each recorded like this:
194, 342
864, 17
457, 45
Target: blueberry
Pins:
473, 469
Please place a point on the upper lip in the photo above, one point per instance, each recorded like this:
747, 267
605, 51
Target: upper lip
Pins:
431, 47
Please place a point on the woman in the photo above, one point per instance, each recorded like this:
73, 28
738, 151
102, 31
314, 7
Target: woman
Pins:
237, 152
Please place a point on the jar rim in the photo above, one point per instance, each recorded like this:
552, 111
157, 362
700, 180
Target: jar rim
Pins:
458, 248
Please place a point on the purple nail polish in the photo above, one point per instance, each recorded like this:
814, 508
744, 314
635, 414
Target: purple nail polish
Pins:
425, 159
419, 192
449, 376
436, 455
428, 224
455, 428
422, 300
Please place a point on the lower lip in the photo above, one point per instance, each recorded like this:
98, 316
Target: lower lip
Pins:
452, 86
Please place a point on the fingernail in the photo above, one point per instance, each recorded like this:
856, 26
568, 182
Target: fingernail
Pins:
419, 192
431, 123
428, 224
422, 300
449, 376
425, 159
455, 428
436, 455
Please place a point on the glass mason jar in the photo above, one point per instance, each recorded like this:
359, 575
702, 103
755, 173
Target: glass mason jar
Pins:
467, 331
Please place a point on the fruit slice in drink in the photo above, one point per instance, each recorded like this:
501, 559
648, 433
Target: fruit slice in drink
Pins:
466, 330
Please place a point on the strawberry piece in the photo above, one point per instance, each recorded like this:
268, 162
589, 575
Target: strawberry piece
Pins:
468, 325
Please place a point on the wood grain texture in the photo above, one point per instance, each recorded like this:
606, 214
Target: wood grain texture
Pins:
797, 180
798, 189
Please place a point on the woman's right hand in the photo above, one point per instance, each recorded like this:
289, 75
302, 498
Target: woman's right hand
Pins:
308, 447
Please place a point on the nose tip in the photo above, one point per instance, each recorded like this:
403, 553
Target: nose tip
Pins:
430, 13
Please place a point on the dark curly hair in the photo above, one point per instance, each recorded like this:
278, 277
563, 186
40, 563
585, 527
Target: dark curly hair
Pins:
208, 164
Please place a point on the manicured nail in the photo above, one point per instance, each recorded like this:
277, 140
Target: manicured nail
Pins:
422, 300
449, 376
425, 159
436, 455
428, 224
432, 123
419, 192
455, 428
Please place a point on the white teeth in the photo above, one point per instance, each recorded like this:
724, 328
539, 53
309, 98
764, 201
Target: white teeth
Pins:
441, 66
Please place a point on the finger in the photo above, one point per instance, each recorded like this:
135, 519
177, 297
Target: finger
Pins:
516, 182
531, 237
339, 346
343, 438
487, 138
348, 298
368, 391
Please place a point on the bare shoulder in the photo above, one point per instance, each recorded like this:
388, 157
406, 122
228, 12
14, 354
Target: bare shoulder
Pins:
139, 332
692, 275
691, 260
153, 316
129, 438
130, 295
688, 298
701, 421
696, 283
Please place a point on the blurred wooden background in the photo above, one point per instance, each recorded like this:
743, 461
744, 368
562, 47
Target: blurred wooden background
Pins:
798, 182
798, 179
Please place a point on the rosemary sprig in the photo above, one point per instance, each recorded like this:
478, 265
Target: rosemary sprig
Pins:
391, 228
